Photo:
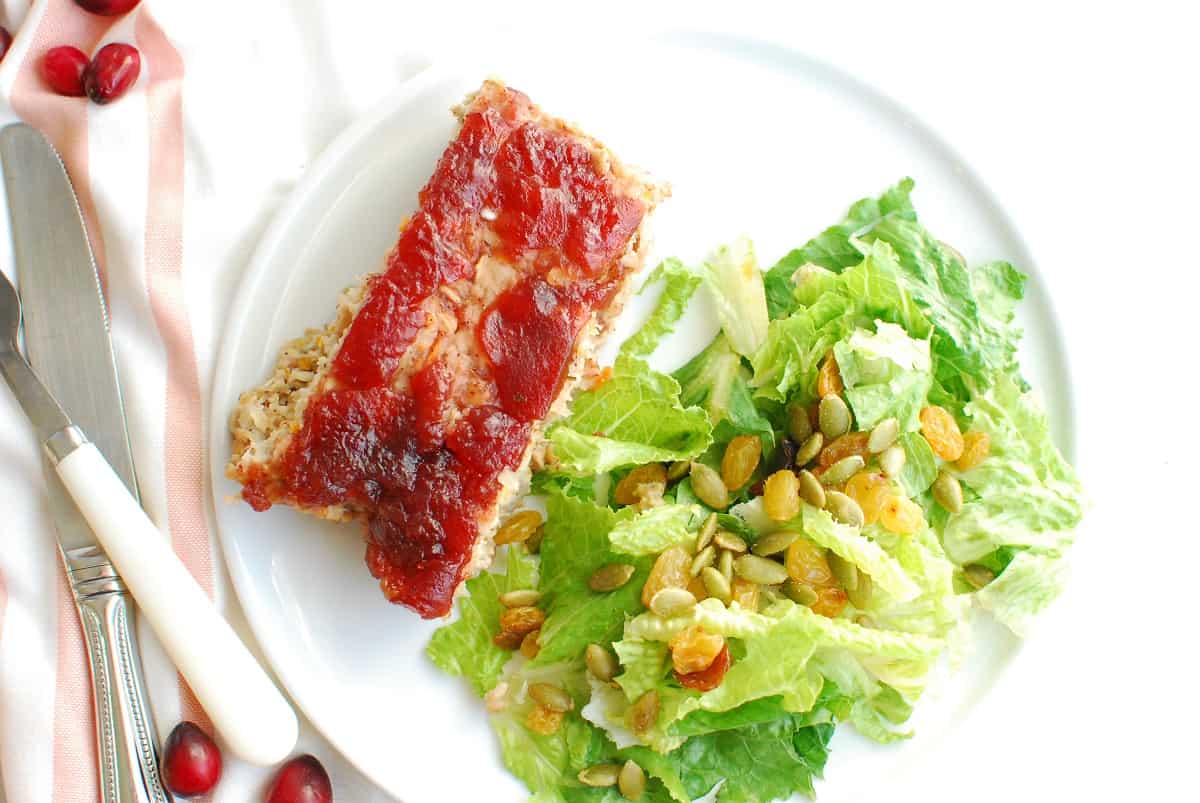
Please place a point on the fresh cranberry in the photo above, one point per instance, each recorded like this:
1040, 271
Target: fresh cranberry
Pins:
107, 8
5, 42
191, 761
62, 70
112, 71
301, 780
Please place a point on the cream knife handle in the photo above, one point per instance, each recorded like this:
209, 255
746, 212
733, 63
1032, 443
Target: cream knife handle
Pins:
126, 739
245, 707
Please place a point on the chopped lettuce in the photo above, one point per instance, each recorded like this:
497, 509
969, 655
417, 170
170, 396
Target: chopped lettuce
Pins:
1025, 493
679, 283
910, 325
736, 284
575, 545
635, 417
654, 530
464, 647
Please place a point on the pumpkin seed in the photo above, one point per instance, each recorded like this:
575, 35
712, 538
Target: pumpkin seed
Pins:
811, 490
843, 570
834, 416
529, 644
716, 584
601, 663
799, 427
725, 565
632, 781
519, 598
843, 470
600, 775
551, 696
883, 435
977, 575
809, 449
727, 540
709, 486
610, 577
707, 531
774, 543
644, 713
844, 509
763, 571
678, 470
672, 602
704, 557
948, 492
892, 460
861, 595
800, 593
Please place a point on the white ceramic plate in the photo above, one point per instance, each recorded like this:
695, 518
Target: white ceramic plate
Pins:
753, 139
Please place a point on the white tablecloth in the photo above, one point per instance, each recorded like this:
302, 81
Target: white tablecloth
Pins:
1081, 120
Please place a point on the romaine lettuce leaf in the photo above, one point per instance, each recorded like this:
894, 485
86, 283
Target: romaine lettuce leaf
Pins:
464, 647
679, 283
850, 544
633, 418
834, 248
1025, 493
716, 380
1025, 588
652, 531
736, 284
574, 546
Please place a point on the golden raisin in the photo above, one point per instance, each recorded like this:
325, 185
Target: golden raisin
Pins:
976, 447
521, 620
829, 377
529, 644
671, 570
852, 443
698, 589
806, 564
745, 593
830, 601
871, 489
781, 495
543, 720
694, 649
626, 492
941, 430
518, 527
507, 640
902, 515
740, 459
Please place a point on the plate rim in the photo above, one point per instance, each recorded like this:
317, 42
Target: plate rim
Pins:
762, 52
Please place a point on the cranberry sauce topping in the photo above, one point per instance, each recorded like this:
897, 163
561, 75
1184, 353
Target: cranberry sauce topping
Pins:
425, 484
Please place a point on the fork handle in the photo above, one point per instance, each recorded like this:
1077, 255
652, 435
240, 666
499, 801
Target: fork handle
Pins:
126, 739
240, 699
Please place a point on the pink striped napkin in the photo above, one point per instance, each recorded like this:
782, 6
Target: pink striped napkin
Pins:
176, 180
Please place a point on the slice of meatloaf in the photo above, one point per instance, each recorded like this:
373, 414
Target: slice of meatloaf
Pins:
417, 409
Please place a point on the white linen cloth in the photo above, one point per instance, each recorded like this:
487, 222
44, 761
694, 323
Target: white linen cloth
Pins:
1078, 116
175, 199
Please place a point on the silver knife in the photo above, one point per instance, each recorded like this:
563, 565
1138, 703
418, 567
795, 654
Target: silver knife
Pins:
67, 340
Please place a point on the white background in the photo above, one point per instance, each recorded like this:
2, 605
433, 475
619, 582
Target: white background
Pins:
1081, 118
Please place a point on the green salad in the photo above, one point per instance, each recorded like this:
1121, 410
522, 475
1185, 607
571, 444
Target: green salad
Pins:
784, 535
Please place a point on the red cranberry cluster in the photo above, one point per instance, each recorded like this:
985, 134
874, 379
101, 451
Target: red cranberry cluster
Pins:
191, 765
106, 76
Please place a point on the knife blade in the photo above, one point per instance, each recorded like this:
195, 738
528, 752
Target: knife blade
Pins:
67, 341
